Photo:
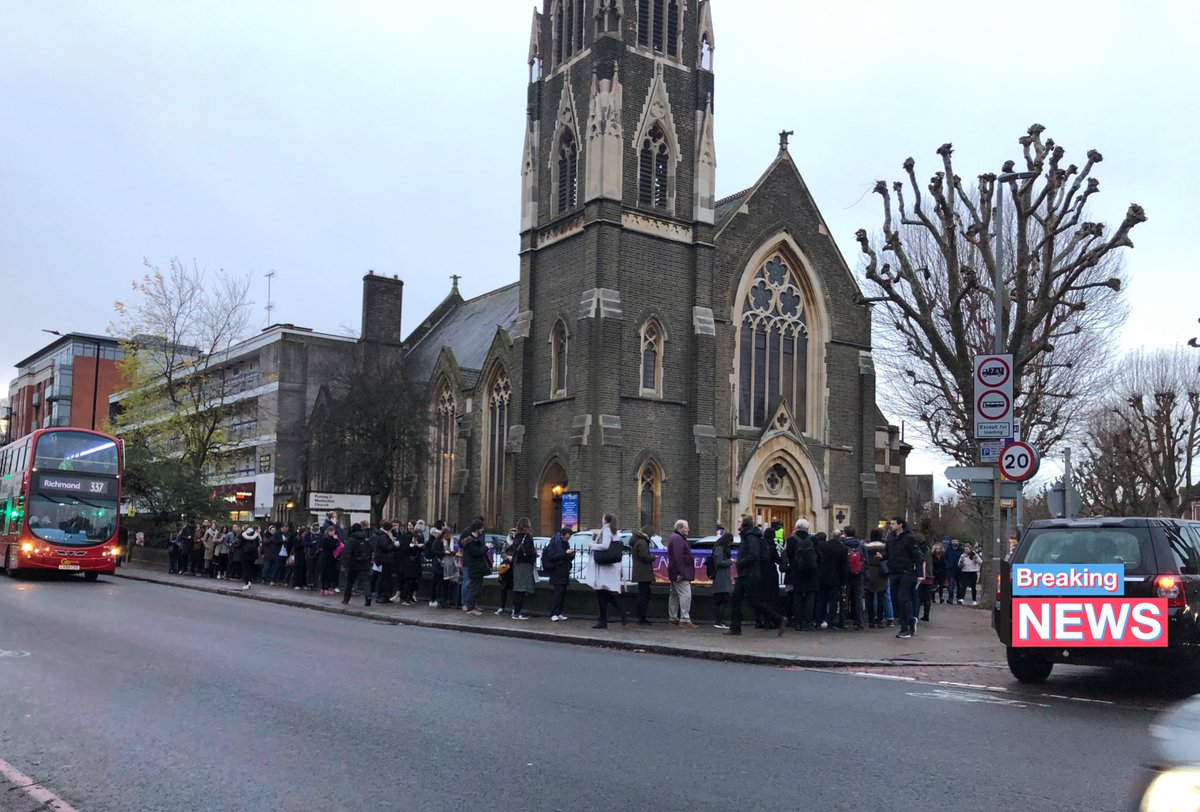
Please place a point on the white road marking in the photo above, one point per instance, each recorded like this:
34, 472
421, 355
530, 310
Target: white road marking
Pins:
885, 676
965, 696
34, 790
6, 653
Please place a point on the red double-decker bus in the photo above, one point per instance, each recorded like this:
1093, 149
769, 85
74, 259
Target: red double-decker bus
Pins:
60, 493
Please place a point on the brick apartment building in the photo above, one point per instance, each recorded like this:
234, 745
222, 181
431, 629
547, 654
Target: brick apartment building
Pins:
66, 383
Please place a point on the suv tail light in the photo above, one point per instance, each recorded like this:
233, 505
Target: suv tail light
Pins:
1171, 587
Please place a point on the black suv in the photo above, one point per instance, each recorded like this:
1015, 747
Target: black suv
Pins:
1162, 560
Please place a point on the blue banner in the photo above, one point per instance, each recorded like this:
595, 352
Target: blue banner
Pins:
570, 509
1068, 580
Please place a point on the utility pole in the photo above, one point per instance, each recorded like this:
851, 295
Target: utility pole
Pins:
999, 342
270, 304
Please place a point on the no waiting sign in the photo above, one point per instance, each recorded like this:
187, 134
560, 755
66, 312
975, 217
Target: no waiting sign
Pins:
993, 396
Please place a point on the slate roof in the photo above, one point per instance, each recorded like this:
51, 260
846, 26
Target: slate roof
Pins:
729, 206
468, 330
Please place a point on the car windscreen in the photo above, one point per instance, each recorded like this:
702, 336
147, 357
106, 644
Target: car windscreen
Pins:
1130, 546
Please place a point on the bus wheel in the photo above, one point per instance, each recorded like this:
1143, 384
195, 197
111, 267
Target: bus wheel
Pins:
91, 576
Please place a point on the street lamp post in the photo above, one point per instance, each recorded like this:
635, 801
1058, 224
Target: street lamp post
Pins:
95, 372
1000, 340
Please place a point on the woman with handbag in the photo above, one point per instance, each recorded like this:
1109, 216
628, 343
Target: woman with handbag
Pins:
722, 582
876, 584
524, 558
504, 570
605, 576
969, 566
329, 561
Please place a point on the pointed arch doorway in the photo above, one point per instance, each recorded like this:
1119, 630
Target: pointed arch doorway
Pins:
777, 496
550, 490
780, 482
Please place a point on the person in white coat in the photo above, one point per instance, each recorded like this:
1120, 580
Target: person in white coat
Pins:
606, 578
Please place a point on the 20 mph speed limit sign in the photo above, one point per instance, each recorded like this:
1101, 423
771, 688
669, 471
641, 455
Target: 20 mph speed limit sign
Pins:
1019, 461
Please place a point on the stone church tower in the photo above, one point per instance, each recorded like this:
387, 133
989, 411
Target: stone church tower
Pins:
665, 354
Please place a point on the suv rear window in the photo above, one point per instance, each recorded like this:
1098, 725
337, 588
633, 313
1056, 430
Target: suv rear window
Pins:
1091, 545
1182, 541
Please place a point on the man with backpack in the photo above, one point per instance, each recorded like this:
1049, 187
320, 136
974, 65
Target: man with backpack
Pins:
832, 572
801, 553
856, 563
749, 567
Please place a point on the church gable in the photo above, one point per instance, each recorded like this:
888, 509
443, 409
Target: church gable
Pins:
780, 208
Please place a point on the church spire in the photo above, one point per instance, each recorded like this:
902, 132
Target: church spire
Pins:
535, 48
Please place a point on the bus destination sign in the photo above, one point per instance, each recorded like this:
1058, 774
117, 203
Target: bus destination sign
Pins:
76, 485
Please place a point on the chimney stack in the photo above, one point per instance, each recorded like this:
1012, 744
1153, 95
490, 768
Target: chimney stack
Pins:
383, 300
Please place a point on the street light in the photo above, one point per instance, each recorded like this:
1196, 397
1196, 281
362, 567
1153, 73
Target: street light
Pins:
95, 374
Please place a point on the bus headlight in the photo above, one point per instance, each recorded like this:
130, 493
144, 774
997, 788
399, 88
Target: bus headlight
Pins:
27, 547
1173, 791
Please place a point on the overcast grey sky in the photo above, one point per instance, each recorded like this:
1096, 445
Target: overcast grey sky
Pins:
321, 139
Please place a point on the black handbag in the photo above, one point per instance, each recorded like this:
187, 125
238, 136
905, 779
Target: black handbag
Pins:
610, 554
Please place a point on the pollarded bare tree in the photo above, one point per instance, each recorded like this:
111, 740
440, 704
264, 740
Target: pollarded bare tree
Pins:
1061, 277
1144, 444
176, 334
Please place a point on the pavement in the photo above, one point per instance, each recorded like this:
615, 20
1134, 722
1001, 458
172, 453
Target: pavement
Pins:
127, 696
956, 635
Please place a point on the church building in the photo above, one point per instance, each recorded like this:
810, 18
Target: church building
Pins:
665, 354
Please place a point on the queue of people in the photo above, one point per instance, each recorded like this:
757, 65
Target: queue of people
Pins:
831, 581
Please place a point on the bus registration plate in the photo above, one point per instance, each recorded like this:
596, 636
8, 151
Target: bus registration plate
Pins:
68, 565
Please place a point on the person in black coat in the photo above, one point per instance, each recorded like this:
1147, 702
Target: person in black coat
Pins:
749, 566
475, 562
833, 570
412, 549
903, 557
386, 553
802, 571
769, 583
557, 557
329, 560
357, 555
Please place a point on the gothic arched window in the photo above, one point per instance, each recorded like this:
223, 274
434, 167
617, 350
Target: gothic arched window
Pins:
568, 172
649, 495
559, 340
654, 170
672, 28
559, 14
652, 358
445, 423
568, 16
773, 360
499, 394
659, 26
